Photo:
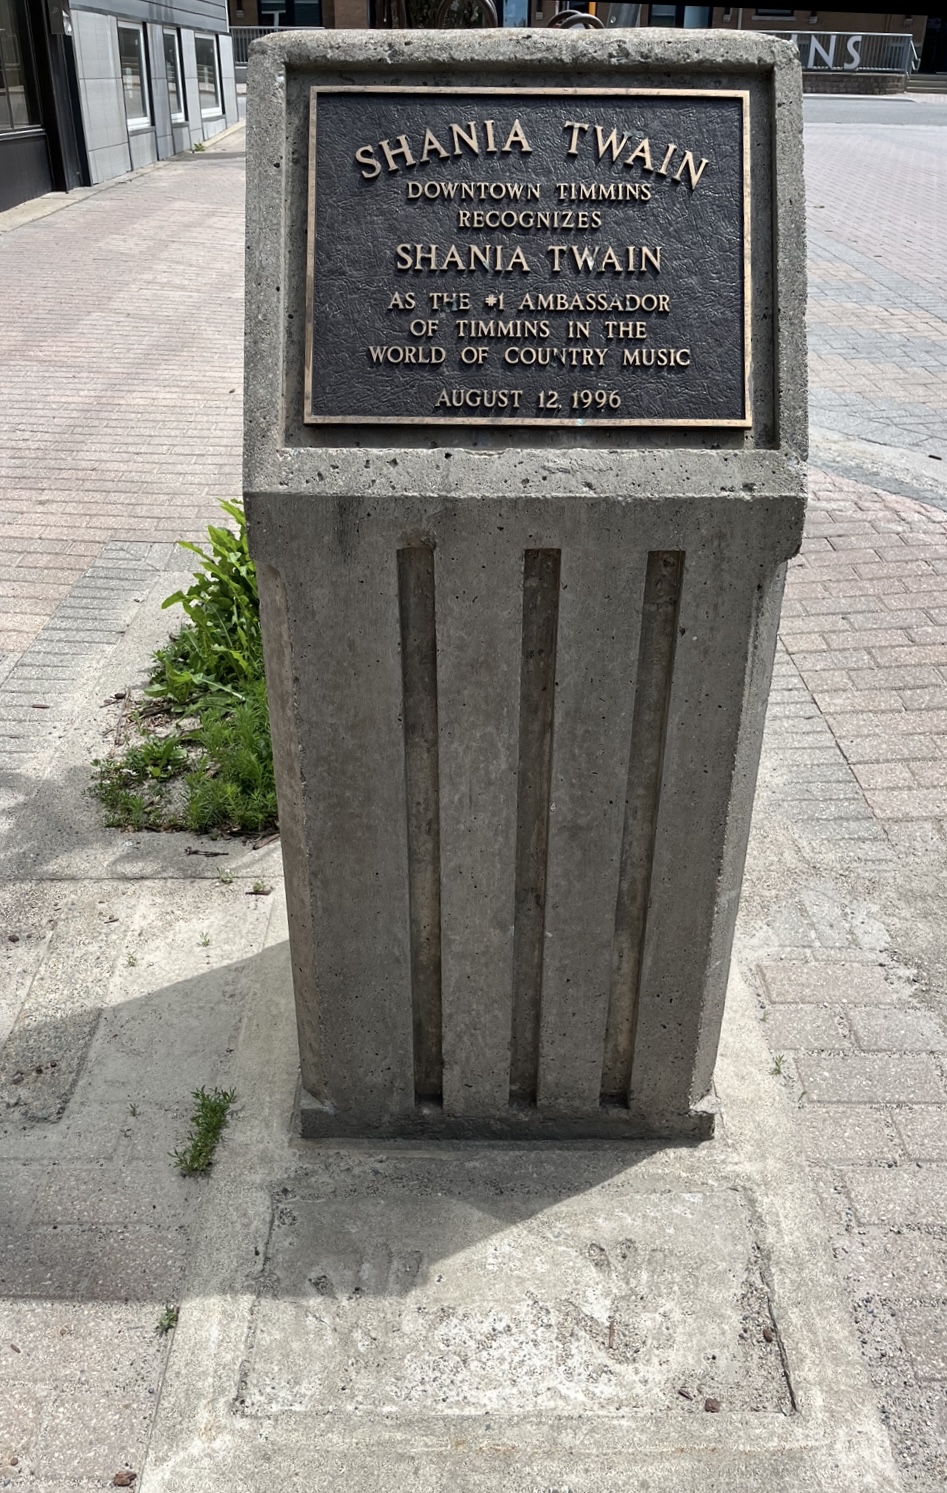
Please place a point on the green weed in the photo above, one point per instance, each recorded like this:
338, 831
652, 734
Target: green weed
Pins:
233, 787
219, 652
217, 774
129, 803
777, 1068
207, 1123
157, 759
167, 1320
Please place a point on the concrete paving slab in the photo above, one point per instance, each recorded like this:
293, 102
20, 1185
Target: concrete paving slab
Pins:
20, 1413
910, 1194
124, 987
91, 1436
796, 983
923, 1129
891, 1077
468, 1285
58, 1342
846, 1133
893, 1265
922, 1329
800, 1027
896, 1031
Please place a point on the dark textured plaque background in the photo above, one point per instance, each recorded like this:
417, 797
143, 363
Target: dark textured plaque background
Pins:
358, 223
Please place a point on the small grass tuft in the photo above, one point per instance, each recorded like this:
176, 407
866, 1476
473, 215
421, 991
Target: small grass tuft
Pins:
167, 1321
207, 1123
777, 1068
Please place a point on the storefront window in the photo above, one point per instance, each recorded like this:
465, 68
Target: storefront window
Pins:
172, 67
208, 76
515, 12
131, 56
18, 109
690, 16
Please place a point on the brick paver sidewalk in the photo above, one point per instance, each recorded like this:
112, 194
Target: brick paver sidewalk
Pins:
121, 386
120, 376
844, 922
877, 227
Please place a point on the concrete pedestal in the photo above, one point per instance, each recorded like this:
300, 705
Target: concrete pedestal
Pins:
517, 677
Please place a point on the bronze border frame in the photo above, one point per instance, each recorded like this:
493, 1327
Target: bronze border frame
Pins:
597, 422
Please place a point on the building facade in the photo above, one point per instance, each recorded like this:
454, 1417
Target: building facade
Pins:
154, 79
91, 91
362, 13
811, 18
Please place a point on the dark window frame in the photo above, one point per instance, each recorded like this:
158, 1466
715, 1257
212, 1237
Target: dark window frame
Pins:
217, 112
173, 34
136, 122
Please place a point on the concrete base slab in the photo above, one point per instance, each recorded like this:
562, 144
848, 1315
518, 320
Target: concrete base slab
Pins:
472, 1284
476, 1316
318, 1121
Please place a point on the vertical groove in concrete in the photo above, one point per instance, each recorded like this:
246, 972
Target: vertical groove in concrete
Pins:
662, 595
537, 706
419, 676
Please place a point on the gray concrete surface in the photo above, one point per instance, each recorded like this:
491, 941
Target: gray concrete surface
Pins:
925, 109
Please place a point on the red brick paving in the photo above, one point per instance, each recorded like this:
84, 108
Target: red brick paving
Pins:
120, 377
882, 688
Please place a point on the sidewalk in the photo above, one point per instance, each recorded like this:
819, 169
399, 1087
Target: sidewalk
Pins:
842, 926
133, 972
121, 376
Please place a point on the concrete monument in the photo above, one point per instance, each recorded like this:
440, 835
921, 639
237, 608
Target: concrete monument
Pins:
525, 446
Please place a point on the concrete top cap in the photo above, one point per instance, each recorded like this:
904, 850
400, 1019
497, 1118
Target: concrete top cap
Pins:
653, 49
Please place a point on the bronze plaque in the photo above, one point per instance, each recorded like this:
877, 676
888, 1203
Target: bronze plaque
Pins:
547, 257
